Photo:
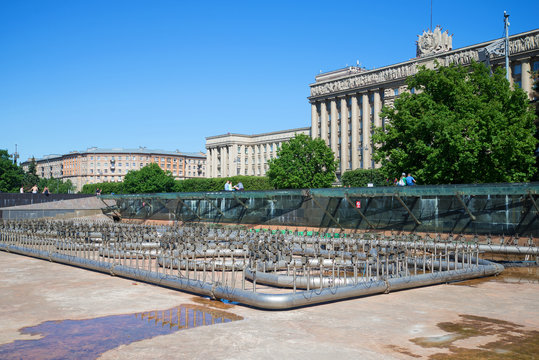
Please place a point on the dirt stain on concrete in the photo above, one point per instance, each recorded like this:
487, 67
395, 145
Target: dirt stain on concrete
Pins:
516, 275
87, 339
508, 340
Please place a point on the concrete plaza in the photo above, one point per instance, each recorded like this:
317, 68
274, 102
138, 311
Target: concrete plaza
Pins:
430, 322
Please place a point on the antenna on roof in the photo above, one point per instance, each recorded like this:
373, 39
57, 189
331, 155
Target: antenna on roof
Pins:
15, 155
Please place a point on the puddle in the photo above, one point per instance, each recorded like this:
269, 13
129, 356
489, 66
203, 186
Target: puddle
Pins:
511, 341
87, 339
516, 275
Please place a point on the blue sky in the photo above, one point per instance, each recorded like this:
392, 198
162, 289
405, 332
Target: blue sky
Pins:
167, 74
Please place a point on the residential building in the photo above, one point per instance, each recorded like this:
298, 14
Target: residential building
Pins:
96, 165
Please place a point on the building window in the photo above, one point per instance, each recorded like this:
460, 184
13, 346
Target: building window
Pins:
396, 92
536, 66
517, 69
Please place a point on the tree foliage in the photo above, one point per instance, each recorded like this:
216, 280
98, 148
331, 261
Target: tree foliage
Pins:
10, 174
303, 163
462, 125
149, 179
56, 186
30, 177
363, 177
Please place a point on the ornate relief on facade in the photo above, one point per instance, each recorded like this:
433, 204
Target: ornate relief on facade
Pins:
464, 57
372, 77
524, 44
434, 42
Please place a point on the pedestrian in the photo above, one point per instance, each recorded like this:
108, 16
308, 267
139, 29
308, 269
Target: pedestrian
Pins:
46, 191
410, 180
228, 186
239, 187
21, 190
34, 189
97, 192
402, 180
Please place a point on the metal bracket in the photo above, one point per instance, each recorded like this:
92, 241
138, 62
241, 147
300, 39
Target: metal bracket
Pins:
533, 202
215, 206
407, 209
457, 195
241, 202
188, 208
358, 211
327, 213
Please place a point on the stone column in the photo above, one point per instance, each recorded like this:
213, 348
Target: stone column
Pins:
324, 122
344, 136
233, 167
256, 162
275, 150
242, 160
526, 77
209, 163
366, 118
224, 161
215, 163
355, 132
334, 127
377, 119
248, 157
314, 121
510, 74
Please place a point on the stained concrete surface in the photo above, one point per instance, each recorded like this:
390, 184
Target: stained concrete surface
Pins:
378, 327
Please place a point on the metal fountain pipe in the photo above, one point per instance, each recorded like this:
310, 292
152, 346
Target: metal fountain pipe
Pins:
498, 249
262, 300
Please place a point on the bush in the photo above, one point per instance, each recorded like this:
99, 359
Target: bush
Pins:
106, 188
218, 184
362, 177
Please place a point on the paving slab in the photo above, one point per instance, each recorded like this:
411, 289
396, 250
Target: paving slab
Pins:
430, 322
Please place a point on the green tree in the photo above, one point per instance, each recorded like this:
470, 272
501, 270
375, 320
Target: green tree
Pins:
56, 186
303, 163
149, 179
462, 125
10, 174
30, 177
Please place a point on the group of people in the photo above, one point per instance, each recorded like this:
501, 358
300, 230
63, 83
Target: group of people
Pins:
405, 180
237, 187
35, 190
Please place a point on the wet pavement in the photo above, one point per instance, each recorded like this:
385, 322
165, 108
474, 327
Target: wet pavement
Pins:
53, 311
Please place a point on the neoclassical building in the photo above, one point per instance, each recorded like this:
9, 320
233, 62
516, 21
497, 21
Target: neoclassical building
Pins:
238, 154
346, 103
97, 165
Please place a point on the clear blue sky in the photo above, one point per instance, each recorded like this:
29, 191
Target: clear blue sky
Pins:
167, 74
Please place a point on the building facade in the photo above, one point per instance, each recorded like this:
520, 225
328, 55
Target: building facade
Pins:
237, 154
346, 103
97, 165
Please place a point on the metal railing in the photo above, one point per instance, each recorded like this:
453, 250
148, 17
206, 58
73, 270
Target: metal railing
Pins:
510, 209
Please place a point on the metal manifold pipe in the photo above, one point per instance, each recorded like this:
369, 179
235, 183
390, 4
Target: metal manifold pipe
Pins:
264, 300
